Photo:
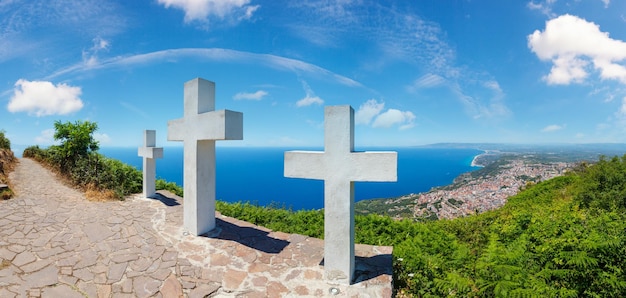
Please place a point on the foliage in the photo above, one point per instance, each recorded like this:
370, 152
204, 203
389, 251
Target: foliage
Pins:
5, 143
35, 153
604, 185
77, 160
169, 186
7, 163
105, 173
76, 143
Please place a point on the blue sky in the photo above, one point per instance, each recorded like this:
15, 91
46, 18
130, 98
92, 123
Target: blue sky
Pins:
416, 72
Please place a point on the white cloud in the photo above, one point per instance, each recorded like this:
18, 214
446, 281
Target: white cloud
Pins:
103, 138
606, 3
367, 111
309, 100
573, 44
201, 10
250, 96
45, 138
42, 98
372, 109
392, 117
552, 128
310, 97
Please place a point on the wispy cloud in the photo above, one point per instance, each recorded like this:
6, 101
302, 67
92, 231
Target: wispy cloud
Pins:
140, 112
24, 24
90, 57
212, 54
491, 107
552, 128
42, 98
309, 98
494, 108
250, 96
398, 34
573, 44
204, 10
426, 81
543, 7
620, 115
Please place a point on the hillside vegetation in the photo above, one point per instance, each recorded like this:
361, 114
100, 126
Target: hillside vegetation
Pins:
7, 162
564, 237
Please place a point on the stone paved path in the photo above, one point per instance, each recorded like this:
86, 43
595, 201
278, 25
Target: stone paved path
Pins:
55, 243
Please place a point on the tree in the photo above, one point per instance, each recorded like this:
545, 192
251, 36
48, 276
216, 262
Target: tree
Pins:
76, 142
4, 141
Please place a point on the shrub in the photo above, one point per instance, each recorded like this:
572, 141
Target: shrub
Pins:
169, 186
35, 153
76, 142
4, 141
97, 171
76, 159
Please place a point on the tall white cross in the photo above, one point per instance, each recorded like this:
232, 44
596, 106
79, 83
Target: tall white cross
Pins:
149, 154
200, 127
339, 166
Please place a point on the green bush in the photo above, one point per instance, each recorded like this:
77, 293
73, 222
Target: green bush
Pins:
105, 173
35, 153
76, 143
77, 159
4, 141
169, 186
603, 186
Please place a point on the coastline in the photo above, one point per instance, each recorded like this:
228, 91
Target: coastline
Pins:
475, 160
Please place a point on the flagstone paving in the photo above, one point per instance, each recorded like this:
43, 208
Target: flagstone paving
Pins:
55, 243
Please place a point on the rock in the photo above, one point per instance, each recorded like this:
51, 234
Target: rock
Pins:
172, 287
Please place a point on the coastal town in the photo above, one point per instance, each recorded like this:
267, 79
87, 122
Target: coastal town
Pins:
471, 195
501, 176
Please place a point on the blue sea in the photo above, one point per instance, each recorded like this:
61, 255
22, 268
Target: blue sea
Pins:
256, 174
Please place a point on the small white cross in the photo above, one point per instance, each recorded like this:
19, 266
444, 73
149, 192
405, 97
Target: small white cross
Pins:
149, 154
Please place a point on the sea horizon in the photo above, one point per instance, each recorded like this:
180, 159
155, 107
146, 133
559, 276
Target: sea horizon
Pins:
255, 174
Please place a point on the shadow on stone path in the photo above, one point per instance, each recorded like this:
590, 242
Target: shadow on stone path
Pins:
55, 243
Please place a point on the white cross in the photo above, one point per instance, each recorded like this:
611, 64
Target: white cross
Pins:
339, 166
200, 127
149, 154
